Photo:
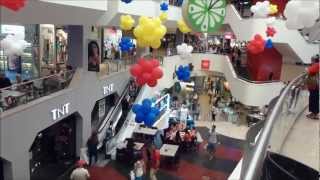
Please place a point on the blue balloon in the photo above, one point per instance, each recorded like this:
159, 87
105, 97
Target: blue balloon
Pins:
146, 103
146, 109
136, 108
183, 73
155, 111
150, 119
126, 1
164, 6
140, 117
269, 44
126, 44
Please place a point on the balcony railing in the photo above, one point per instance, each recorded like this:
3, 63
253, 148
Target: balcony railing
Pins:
22, 93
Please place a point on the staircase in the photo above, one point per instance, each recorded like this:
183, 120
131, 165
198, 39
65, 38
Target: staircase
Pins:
245, 29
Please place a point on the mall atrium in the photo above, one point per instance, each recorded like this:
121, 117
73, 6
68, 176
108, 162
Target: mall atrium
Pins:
159, 89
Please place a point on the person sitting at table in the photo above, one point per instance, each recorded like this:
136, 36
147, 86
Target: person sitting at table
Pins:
4, 81
139, 168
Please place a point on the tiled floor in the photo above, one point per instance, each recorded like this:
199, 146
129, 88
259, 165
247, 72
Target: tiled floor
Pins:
303, 142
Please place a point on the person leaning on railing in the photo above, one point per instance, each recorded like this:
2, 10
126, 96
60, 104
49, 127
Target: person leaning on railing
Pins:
313, 87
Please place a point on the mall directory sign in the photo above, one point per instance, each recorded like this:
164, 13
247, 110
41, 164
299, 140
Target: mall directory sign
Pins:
204, 15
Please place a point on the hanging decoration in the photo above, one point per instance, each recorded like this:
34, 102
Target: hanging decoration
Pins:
271, 31
269, 44
126, 1
183, 26
14, 44
126, 22
126, 44
256, 45
273, 9
183, 73
145, 112
149, 32
164, 6
301, 14
184, 50
163, 16
146, 72
204, 16
261, 9
14, 5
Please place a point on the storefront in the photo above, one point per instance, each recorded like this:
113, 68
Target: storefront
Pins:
46, 47
54, 149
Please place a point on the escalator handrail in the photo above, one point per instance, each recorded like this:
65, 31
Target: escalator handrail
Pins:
123, 94
253, 169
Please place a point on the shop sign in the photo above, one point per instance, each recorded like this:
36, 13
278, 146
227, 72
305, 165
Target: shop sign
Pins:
205, 64
60, 112
108, 89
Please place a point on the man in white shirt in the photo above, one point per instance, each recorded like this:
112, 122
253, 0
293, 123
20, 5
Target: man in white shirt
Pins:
80, 173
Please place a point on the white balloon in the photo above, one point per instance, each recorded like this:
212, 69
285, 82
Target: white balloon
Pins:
301, 14
260, 9
14, 44
184, 50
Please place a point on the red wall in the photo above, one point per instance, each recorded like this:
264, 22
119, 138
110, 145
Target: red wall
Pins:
261, 65
281, 4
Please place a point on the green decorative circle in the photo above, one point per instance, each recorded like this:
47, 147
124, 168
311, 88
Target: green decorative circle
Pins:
204, 15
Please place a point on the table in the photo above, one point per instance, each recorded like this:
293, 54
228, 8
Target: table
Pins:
169, 150
145, 130
138, 146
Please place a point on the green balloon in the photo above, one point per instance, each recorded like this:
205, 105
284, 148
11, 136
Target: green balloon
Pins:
204, 15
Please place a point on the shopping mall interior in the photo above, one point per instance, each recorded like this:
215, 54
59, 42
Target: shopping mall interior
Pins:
159, 89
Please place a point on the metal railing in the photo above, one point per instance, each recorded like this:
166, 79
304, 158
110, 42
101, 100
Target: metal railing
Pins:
22, 93
110, 66
271, 134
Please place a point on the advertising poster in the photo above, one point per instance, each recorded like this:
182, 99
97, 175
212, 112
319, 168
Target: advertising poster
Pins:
93, 56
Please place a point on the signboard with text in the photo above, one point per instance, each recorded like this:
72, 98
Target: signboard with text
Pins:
205, 64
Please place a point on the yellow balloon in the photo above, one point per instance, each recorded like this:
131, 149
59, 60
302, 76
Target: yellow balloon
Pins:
138, 31
163, 30
273, 9
163, 16
141, 43
126, 22
183, 26
143, 19
157, 21
156, 44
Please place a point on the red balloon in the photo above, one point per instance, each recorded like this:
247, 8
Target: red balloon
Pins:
258, 37
140, 81
147, 66
152, 82
155, 63
146, 77
136, 70
141, 61
156, 73
12, 4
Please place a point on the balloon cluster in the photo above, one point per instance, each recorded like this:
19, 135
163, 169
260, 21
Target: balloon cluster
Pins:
183, 27
149, 32
301, 14
183, 73
126, 22
126, 1
126, 44
145, 112
14, 5
184, 50
271, 31
256, 45
146, 72
164, 6
263, 9
14, 44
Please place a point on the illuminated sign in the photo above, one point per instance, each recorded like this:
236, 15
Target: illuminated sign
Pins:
205, 64
108, 89
60, 112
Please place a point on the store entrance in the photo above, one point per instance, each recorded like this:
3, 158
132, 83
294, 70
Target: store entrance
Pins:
54, 150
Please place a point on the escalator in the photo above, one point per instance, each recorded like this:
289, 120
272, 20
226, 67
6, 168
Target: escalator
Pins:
116, 116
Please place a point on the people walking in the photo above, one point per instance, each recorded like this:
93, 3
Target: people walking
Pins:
92, 146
